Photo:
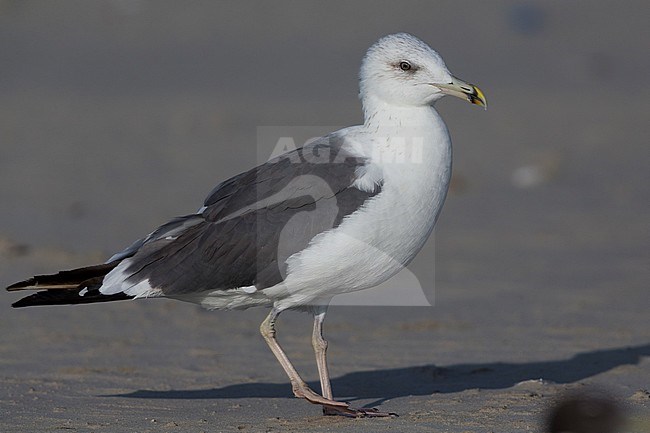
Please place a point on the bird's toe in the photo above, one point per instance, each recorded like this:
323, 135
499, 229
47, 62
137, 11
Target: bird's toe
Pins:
356, 412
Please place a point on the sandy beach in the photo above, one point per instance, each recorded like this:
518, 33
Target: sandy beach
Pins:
116, 116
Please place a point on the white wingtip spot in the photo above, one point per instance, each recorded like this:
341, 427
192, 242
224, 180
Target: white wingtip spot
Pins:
249, 289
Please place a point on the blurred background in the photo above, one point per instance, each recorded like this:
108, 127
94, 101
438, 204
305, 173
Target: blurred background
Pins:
116, 115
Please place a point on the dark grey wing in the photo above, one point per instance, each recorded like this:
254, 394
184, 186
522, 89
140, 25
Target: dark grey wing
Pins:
253, 222
170, 229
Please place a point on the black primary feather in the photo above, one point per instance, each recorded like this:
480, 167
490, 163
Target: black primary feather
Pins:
76, 286
67, 297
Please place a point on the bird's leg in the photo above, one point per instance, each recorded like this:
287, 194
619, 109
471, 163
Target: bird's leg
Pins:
300, 388
320, 349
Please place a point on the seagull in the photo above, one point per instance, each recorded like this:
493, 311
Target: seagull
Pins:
342, 213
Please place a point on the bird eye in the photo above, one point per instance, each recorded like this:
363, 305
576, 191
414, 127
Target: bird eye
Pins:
405, 66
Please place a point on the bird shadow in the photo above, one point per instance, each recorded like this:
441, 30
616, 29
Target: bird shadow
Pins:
387, 384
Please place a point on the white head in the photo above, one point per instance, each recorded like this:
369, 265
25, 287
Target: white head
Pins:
402, 70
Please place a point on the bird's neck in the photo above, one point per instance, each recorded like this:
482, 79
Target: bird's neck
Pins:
381, 116
411, 127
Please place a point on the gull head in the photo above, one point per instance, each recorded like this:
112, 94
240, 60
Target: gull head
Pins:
402, 70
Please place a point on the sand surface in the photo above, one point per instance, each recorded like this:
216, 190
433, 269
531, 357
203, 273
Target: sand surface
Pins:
118, 115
